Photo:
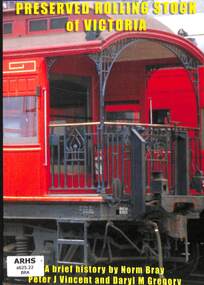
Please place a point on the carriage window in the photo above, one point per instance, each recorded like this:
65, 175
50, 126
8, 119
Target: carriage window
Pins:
161, 116
7, 28
69, 99
123, 116
38, 25
58, 23
20, 120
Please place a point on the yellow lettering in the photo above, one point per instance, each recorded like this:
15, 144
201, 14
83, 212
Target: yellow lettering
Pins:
70, 26
165, 7
76, 25
119, 25
107, 8
128, 25
52, 8
141, 280
174, 8
183, 8
60, 8
192, 8
77, 10
102, 25
121, 8
156, 8
144, 8
44, 8
85, 8
142, 25
128, 10
46, 269
69, 7
28, 9
35, 8
98, 8
87, 25
19, 7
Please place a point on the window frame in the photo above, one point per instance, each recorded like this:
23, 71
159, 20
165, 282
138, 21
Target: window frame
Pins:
49, 29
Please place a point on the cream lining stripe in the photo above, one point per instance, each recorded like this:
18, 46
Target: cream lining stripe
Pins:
21, 148
20, 67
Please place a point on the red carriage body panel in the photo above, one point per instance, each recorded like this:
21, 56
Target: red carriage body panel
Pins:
25, 172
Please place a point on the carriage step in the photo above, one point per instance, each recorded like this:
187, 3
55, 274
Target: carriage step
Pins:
67, 247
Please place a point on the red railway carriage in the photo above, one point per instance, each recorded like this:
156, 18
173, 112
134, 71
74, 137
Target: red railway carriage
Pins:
101, 136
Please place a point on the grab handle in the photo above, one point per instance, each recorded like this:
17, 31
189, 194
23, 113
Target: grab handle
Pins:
45, 124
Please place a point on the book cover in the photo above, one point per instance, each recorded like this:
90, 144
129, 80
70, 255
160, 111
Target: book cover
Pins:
103, 142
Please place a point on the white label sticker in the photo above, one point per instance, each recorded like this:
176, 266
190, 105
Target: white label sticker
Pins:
24, 266
123, 210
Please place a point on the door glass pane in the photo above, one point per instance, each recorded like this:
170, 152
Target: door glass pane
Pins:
20, 120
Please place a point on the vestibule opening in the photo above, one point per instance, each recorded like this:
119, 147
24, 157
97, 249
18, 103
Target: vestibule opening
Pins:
70, 137
69, 99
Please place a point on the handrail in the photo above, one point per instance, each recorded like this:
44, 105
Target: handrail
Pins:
171, 126
122, 123
45, 127
74, 124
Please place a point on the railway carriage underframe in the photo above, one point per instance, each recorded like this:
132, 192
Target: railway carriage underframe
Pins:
98, 231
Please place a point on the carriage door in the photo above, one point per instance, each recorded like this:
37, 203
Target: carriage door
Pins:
25, 127
71, 134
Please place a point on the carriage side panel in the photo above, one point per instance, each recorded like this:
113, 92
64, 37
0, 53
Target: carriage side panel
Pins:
24, 155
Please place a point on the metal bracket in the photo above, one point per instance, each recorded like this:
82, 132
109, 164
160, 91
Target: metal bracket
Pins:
50, 62
188, 61
105, 60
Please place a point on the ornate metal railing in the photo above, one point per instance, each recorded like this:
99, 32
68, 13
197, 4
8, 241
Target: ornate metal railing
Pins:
73, 150
87, 156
